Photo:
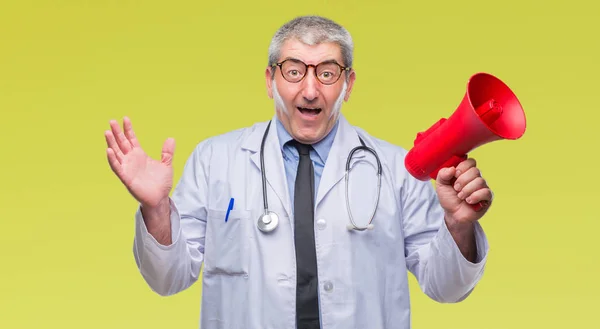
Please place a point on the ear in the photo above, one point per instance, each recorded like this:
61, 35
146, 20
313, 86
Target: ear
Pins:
351, 79
269, 80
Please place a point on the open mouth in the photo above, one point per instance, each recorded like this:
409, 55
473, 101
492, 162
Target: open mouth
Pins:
309, 111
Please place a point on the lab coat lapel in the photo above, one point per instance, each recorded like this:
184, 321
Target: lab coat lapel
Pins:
345, 140
274, 170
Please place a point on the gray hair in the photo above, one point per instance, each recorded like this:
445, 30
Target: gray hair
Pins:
312, 30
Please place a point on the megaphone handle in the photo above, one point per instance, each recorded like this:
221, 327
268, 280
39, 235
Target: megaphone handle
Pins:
480, 205
453, 162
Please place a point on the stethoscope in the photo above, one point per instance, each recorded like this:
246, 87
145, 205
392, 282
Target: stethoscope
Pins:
269, 220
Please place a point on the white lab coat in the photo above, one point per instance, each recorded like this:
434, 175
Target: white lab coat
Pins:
249, 276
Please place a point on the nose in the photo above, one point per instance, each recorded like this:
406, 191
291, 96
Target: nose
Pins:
310, 86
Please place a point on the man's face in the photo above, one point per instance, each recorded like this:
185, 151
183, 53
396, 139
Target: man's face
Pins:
308, 109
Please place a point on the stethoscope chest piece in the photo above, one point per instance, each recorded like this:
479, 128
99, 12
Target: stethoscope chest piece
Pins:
268, 222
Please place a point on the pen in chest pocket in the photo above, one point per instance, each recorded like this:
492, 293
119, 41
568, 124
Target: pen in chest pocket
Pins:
229, 208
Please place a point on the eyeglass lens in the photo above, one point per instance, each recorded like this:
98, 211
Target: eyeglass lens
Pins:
294, 71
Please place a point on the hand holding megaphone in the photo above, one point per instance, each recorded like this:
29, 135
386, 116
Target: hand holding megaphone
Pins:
489, 111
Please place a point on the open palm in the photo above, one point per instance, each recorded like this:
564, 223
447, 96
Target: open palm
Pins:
147, 179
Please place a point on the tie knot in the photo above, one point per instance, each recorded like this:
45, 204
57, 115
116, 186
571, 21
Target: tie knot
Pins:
303, 149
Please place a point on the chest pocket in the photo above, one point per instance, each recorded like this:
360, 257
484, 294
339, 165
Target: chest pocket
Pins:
226, 244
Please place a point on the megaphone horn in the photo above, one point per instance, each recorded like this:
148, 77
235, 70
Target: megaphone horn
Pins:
489, 111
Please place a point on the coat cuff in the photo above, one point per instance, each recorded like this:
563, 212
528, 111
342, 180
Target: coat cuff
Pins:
147, 239
449, 246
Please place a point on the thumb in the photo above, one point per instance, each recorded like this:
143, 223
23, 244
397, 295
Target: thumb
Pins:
168, 151
446, 176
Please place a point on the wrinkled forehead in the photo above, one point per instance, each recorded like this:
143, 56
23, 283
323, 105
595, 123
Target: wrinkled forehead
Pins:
311, 54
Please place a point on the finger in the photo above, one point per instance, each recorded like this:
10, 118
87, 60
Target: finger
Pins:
476, 184
129, 132
112, 144
115, 165
122, 141
168, 151
465, 165
465, 178
445, 176
482, 195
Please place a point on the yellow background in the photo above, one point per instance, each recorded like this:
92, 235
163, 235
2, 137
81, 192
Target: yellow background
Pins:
193, 69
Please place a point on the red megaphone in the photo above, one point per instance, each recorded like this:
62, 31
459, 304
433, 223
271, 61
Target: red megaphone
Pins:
489, 111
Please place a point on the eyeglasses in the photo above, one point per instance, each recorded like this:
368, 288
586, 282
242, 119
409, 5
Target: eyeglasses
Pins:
327, 73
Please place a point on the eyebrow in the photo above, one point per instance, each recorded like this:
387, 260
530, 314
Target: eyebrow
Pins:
298, 60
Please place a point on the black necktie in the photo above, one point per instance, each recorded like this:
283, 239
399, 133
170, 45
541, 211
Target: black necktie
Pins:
307, 305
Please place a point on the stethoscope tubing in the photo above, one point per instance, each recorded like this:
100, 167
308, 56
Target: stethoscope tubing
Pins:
269, 220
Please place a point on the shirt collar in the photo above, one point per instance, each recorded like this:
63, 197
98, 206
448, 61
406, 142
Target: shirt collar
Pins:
322, 147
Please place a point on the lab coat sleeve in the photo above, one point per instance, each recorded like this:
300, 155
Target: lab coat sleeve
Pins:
169, 269
432, 255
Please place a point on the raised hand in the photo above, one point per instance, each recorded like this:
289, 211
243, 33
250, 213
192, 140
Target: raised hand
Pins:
148, 180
